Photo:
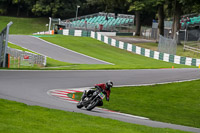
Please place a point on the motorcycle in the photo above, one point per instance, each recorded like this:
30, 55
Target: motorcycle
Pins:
91, 101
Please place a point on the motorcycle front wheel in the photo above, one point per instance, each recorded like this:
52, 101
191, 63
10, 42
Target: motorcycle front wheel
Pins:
92, 105
79, 105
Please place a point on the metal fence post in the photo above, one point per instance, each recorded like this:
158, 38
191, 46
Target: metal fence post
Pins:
49, 24
6, 43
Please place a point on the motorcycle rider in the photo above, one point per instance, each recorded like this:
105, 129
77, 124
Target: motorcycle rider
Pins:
105, 87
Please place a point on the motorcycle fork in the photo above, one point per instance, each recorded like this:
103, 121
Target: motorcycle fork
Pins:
94, 98
83, 96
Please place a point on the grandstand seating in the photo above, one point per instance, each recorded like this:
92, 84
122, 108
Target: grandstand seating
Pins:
94, 21
193, 21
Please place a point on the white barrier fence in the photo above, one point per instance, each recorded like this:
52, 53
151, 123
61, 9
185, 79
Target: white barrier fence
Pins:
24, 58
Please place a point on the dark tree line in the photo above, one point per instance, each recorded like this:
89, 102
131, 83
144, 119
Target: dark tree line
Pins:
40, 8
144, 10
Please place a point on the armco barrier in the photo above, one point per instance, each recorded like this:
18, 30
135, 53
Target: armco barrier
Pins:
4, 34
135, 49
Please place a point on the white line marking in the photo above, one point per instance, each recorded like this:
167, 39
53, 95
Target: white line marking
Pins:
134, 116
73, 51
179, 81
55, 94
87, 88
28, 49
64, 96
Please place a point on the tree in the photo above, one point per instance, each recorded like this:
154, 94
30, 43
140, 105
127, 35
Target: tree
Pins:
67, 8
176, 19
19, 5
180, 7
111, 6
137, 6
29, 6
3, 6
194, 6
47, 7
161, 16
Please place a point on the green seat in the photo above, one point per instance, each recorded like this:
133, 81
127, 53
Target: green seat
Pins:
127, 20
123, 21
116, 20
89, 20
92, 20
98, 18
112, 22
104, 22
95, 18
102, 18
130, 20
105, 26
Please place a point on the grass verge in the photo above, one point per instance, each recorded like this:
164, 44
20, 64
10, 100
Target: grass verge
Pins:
21, 118
121, 58
19, 48
177, 103
24, 25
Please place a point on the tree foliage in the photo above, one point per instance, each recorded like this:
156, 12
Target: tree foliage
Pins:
136, 5
47, 7
116, 6
64, 8
145, 10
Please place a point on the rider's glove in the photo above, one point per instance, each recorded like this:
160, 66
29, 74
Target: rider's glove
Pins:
107, 98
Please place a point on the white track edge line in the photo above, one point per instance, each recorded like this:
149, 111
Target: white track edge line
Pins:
139, 117
29, 49
74, 51
81, 89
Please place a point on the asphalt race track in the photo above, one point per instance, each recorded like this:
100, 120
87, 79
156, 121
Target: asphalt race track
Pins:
31, 87
54, 51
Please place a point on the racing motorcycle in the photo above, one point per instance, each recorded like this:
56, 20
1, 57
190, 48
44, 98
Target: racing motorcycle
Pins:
92, 100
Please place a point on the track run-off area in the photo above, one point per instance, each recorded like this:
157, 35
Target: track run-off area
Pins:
31, 87
35, 87
53, 51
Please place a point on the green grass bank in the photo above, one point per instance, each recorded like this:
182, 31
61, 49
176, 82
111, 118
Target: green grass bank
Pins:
121, 58
177, 103
20, 118
24, 26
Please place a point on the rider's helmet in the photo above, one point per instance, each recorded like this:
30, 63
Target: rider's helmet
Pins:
109, 84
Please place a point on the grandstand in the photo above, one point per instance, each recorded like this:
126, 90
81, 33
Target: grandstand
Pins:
194, 21
190, 29
98, 21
